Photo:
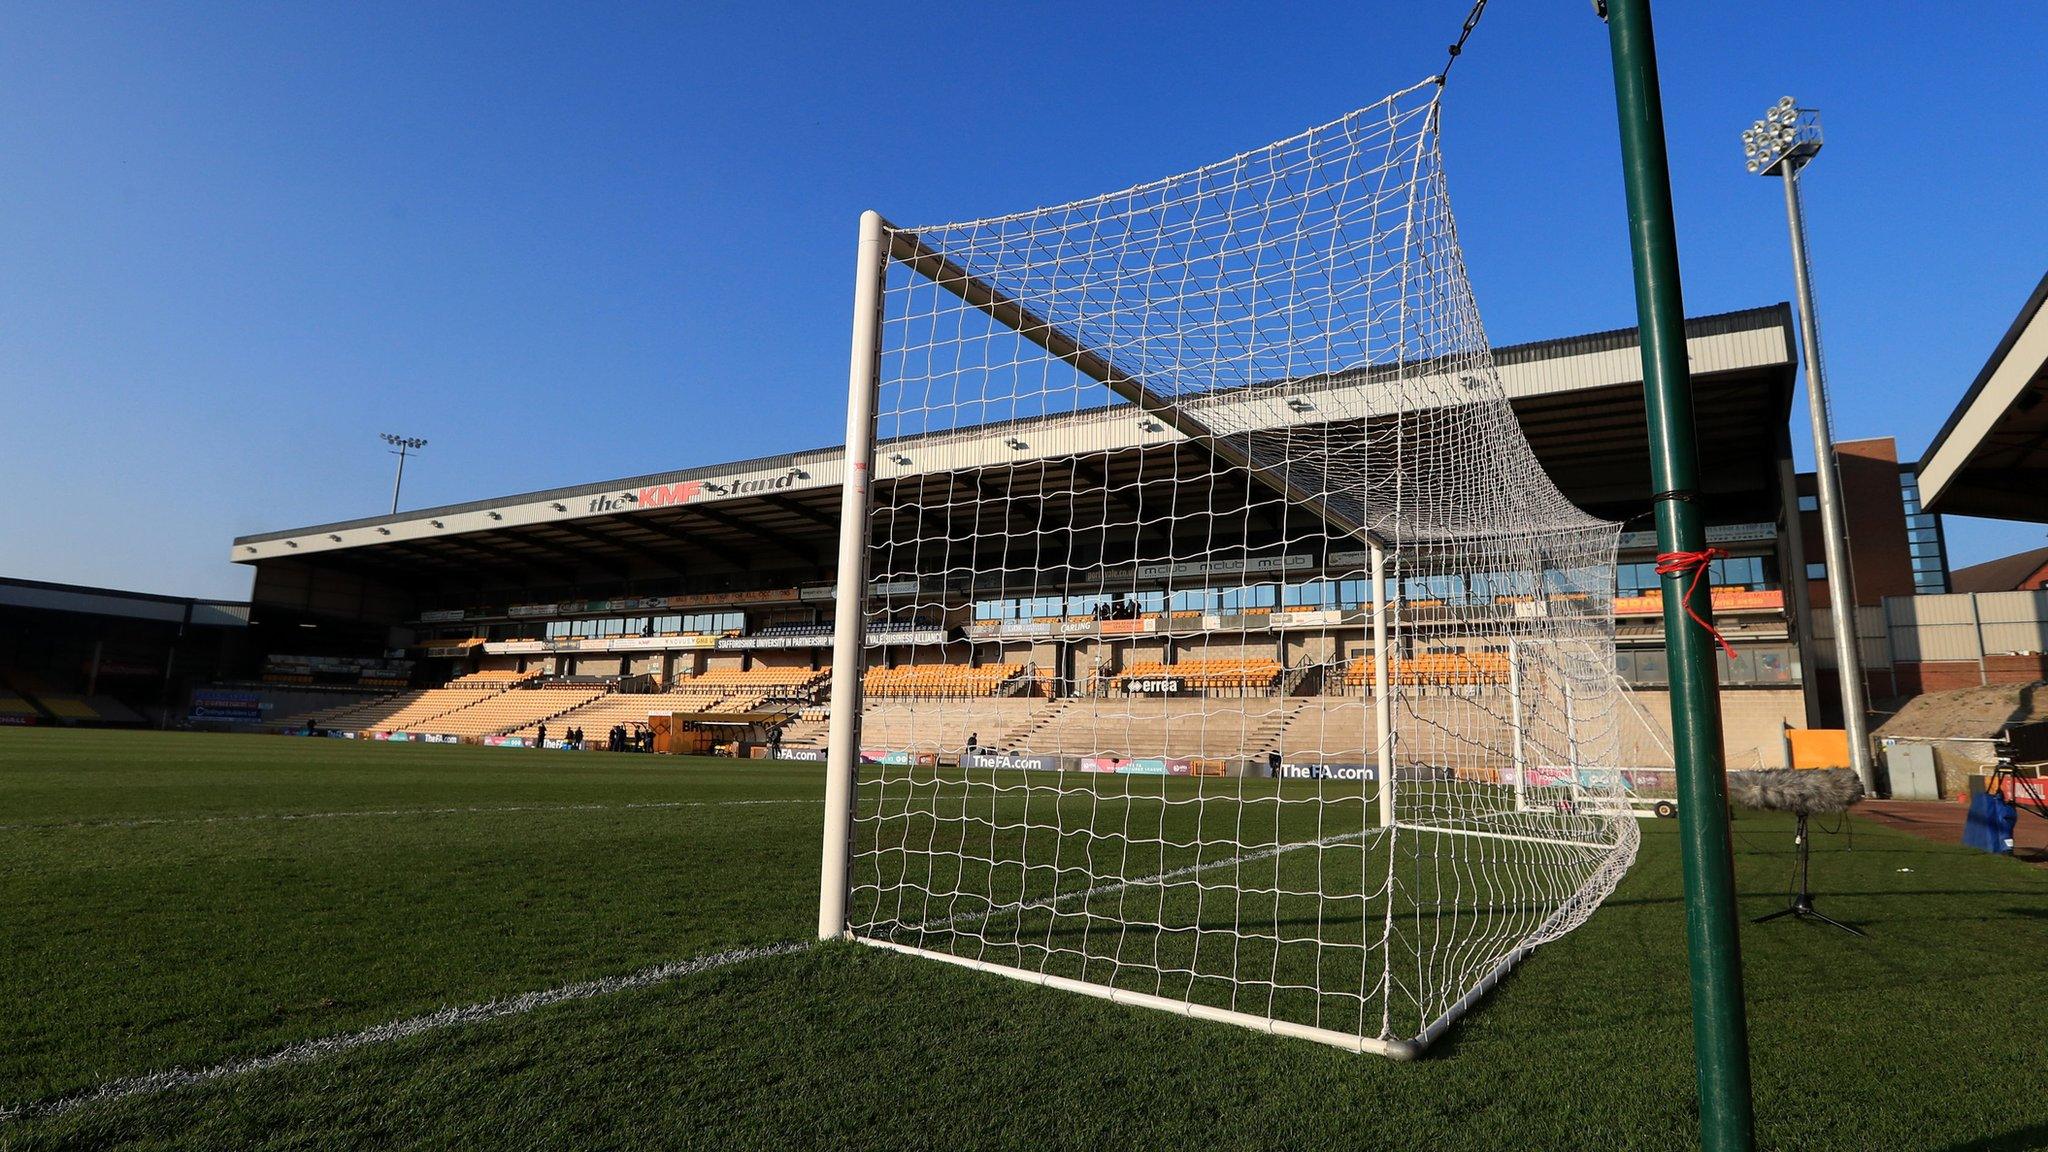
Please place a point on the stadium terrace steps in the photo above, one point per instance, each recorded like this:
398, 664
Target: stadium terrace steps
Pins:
13, 705
502, 712
76, 708
807, 732
345, 715
1446, 730
943, 726
600, 714
402, 712
1135, 726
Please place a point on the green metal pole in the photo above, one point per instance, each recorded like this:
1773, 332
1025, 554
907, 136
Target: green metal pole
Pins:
1720, 1030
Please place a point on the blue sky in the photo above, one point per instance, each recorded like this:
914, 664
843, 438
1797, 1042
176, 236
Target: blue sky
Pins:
571, 243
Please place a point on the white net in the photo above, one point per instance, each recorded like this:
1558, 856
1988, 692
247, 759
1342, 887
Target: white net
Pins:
1132, 724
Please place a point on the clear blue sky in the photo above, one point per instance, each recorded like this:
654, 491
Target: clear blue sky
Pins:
237, 242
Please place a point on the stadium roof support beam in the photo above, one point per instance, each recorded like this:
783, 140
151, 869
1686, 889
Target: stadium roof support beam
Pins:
1006, 310
365, 569
1147, 525
681, 536
799, 508
615, 570
516, 570
659, 559
765, 535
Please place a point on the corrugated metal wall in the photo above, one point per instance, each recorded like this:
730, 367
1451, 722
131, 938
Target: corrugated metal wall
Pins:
1966, 626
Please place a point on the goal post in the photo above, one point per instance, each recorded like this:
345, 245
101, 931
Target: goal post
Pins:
1201, 610
848, 626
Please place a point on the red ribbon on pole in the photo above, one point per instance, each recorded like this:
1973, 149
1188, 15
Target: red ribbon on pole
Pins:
1680, 563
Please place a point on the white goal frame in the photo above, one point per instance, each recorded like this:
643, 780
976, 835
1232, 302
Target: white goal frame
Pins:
1525, 827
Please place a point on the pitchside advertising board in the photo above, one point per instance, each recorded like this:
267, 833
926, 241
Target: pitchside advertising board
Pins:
1155, 765
221, 705
883, 756
1327, 772
1004, 760
1595, 779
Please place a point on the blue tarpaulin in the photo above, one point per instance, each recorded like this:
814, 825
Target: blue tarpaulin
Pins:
1990, 823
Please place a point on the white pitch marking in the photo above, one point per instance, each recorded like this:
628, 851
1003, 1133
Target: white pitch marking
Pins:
309, 1051
479, 809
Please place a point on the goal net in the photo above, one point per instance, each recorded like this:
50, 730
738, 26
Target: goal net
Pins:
1213, 640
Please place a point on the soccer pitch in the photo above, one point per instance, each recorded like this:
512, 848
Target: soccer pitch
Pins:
190, 902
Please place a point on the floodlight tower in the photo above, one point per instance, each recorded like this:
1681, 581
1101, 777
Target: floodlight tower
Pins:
400, 446
1783, 142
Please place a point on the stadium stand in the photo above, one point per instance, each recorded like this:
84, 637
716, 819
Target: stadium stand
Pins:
823, 631
15, 709
1151, 725
511, 711
75, 708
942, 681
1336, 730
493, 679
1226, 674
1436, 670
942, 727
744, 689
403, 712
598, 715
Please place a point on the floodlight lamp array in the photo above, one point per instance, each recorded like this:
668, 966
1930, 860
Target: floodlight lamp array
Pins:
1787, 133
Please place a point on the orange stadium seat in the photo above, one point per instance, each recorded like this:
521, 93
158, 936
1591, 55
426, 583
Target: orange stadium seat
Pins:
1435, 670
942, 681
1236, 673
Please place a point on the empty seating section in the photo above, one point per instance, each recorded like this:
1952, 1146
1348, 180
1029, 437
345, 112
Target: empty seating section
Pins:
493, 679
939, 680
745, 688
597, 716
1138, 726
510, 711
12, 705
402, 712
1235, 673
1436, 670
113, 711
420, 707
66, 707
786, 629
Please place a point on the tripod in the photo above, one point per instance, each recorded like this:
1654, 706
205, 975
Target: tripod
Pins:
1802, 901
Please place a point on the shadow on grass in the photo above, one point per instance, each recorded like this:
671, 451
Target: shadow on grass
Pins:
2029, 1139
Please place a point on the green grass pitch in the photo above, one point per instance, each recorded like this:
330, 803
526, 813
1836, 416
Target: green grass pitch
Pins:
187, 900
